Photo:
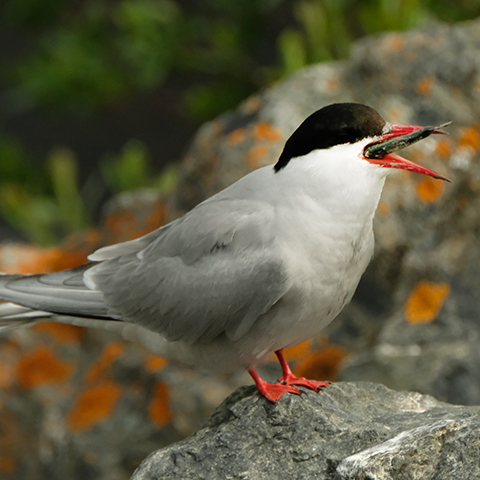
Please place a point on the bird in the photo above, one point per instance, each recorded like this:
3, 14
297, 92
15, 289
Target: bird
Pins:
263, 265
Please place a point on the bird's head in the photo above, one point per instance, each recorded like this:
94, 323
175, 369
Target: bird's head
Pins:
354, 123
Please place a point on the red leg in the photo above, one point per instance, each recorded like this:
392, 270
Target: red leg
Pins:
288, 378
271, 391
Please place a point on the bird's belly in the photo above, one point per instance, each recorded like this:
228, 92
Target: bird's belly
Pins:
300, 315
319, 291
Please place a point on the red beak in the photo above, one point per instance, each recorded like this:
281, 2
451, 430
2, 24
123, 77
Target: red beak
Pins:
391, 160
400, 130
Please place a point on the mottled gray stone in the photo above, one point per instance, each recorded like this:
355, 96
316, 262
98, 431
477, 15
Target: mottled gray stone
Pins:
444, 449
350, 431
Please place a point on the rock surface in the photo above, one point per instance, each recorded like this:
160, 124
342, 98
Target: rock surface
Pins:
348, 431
413, 323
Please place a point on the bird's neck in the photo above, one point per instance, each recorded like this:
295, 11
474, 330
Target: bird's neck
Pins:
341, 184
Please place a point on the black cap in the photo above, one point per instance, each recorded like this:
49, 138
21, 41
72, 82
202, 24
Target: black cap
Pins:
332, 125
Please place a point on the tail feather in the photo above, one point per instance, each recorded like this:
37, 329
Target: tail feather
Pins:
13, 316
61, 292
65, 298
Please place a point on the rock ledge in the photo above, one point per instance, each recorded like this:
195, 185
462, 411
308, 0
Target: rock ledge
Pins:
348, 431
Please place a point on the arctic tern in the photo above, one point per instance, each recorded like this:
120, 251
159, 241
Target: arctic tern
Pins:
261, 266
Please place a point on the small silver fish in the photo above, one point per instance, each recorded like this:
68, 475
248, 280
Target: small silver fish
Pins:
379, 150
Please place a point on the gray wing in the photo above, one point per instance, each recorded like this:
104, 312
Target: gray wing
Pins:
212, 271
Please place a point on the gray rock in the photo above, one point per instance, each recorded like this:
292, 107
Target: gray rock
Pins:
437, 450
349, 431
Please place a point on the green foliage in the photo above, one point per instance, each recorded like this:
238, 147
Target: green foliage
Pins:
63, 172
70, 69
382, 15
14, 163
326, 28
323, 34
293, 49
142, 24
45, 205
131, 170
33, 13
102, 55
48, 205
30, 213
96, 53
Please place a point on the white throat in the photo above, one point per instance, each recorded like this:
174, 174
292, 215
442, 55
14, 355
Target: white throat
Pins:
338, 179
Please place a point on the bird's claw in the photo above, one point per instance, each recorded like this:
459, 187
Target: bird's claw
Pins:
314, 385
273, 391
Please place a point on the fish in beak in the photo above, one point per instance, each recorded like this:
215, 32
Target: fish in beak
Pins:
395, 138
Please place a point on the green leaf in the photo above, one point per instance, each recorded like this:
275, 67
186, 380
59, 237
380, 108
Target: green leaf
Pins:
129, 170
292, 50
33, 215
64, 175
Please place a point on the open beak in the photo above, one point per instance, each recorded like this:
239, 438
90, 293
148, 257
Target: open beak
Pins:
397, 137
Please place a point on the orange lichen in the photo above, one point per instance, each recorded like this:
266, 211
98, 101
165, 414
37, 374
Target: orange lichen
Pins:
462, 202
298, 351
395, 115
470, 137
443, 148
9, 351
122, 225
265, 131
251, 105
237, 136
7, 374
41, 366
332, 85
255, 154
92, 236
7, 465
56, 259
430, 190
155, 364
61, 332
424, 86
110, 353
86, 241
323, 364
474, 184
28, 259
383, 208
425, 302
156, 218
127, 224
397, 43
159, 407
91, 457
93, 405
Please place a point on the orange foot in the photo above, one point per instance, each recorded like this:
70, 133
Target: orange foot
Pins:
271, 391
291, 379
288, 378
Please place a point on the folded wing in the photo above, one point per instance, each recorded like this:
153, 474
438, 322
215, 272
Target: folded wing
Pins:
214, 271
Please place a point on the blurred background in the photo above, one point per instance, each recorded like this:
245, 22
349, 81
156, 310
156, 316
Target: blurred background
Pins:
99, 97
